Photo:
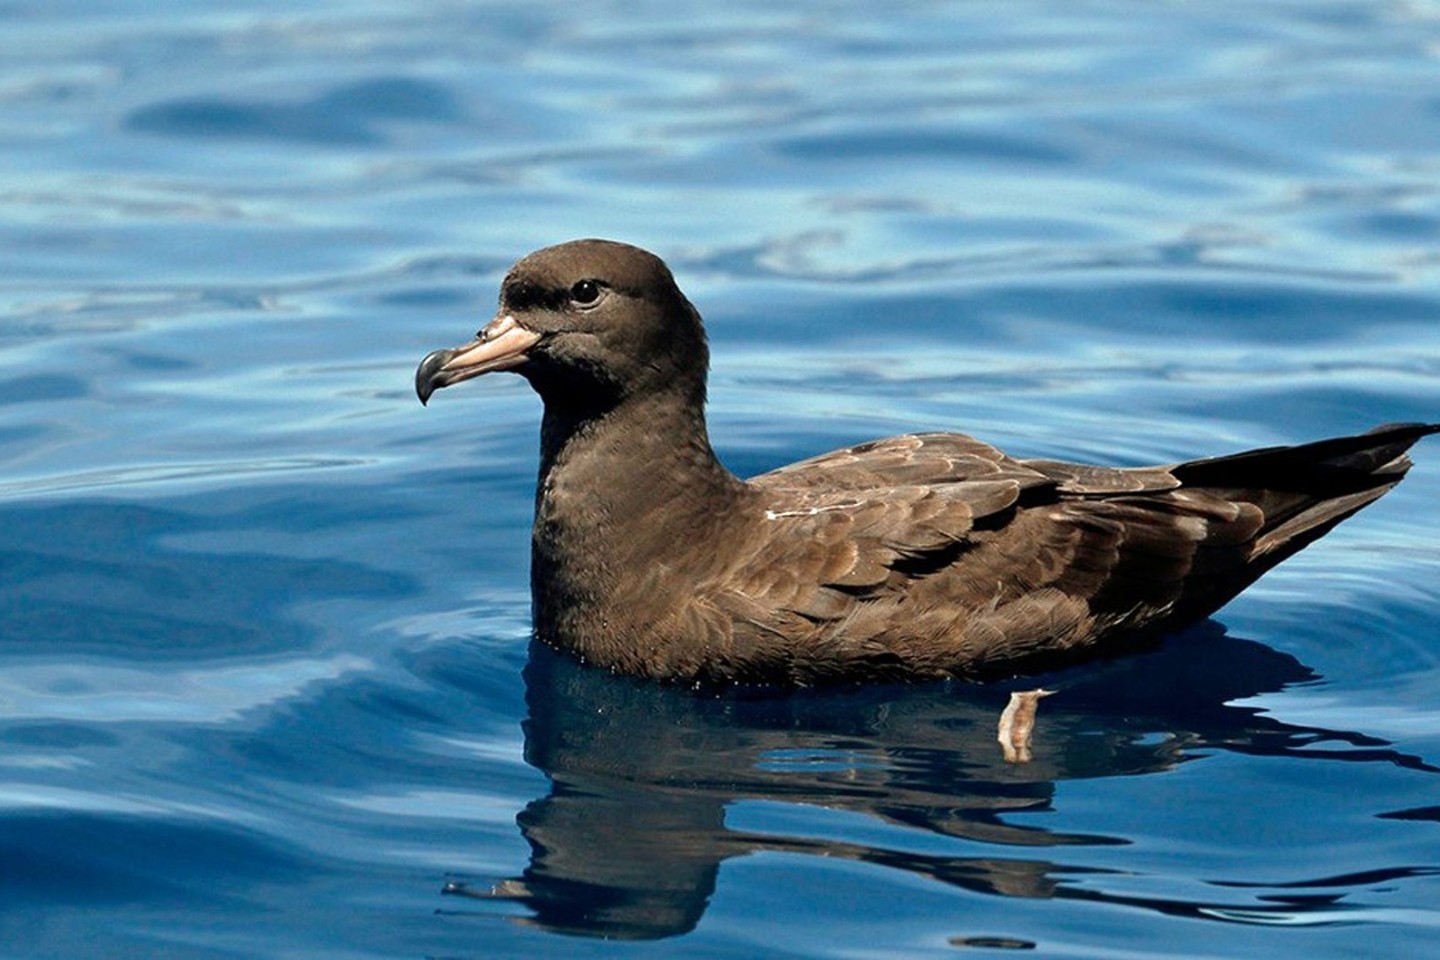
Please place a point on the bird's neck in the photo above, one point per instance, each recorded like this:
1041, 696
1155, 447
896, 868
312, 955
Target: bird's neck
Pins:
624, 494
660, 439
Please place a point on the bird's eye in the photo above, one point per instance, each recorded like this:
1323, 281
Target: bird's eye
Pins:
585, 293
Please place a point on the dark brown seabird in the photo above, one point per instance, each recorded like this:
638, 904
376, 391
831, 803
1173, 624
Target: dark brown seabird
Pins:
921, 556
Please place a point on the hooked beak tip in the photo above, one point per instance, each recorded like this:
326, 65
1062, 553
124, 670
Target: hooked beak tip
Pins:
427, 375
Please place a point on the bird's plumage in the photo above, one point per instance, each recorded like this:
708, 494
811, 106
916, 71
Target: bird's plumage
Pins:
925, 555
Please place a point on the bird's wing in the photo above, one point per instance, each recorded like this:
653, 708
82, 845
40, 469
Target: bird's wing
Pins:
928, 459
911, 460
993, 558
839, 526
858, 521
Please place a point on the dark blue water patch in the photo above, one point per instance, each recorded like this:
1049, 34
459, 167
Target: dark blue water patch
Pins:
94, 578
974, 232
75, 857
912, 143
23, 438
56, 628
301, 507
41, 388
1394, 225
393, 729
461, 287
349, 116
58, 736
467, 675
395, 98
428, 297
1233, 313
147, 361
446, 266
1301, 412
1190, 314
1169, 148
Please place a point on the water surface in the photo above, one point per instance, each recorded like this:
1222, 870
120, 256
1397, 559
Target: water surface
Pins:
266, 685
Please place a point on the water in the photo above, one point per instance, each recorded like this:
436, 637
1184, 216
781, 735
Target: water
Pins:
265, 682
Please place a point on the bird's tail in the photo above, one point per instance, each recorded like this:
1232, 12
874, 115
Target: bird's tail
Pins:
1305, 490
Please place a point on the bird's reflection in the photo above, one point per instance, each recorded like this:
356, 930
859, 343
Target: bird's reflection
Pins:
630, 839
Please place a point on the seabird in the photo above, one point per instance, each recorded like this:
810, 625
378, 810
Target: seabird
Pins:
929, 555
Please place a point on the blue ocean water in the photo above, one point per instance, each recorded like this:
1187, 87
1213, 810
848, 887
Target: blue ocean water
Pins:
266, 687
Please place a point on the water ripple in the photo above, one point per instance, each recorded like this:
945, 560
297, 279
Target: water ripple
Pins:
184, 474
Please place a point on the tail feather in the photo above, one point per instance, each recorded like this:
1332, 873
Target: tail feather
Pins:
1305, 490
1305, 526
1311, 466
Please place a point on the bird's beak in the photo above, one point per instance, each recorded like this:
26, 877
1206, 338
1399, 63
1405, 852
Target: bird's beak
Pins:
502, 345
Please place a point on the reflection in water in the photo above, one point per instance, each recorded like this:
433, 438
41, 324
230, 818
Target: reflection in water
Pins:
630, 839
